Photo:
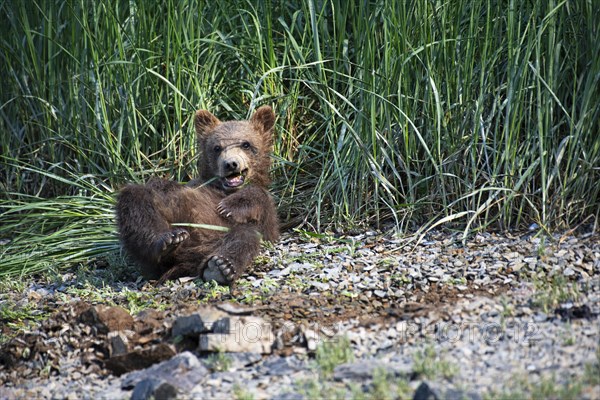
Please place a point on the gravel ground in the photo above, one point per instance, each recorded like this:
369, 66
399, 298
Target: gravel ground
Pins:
353, 316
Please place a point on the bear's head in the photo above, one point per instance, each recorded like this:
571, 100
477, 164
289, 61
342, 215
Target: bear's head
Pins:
233, 153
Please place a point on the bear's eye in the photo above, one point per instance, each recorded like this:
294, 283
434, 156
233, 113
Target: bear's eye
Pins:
217, 149
246, 145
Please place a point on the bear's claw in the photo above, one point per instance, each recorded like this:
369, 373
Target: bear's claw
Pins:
221, 209
219, 269
169, 240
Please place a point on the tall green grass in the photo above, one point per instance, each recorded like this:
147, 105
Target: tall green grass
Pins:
473, 114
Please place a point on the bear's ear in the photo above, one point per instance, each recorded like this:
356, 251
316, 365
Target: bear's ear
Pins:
204, 122
263, 119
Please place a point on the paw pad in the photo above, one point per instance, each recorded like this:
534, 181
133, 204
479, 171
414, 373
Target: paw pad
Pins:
219, 269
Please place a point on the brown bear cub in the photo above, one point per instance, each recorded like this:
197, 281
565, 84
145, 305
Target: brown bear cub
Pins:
231, 192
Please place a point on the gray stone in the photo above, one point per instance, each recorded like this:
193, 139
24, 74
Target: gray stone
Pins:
363, 370
434, 391
289, 396
203, 321
231, 343
118, 343
151, 388
238, 334
184, 371
281, 366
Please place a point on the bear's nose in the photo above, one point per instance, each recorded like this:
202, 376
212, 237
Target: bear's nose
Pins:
231, 165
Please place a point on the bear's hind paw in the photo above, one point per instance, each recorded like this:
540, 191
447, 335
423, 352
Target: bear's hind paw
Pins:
219, 269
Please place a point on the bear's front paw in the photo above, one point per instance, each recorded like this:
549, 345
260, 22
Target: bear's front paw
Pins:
219, 269
168, 241
223, 210
238, 213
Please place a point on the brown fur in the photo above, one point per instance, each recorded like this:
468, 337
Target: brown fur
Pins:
220, 196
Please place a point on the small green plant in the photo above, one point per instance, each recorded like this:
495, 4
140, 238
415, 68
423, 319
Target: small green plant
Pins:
591, 375
87, 291
239, 393
138, 300
315, 388
551, 292
459, 281
17, 316
546, 388
541, 250
332, 353
381, 385
350, 294
219, 362
429, 364
12, 285
296, 282
400, 279
268, 285
246, 293
213, 291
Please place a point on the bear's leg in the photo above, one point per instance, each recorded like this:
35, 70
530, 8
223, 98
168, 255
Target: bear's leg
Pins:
233, 256
144, 214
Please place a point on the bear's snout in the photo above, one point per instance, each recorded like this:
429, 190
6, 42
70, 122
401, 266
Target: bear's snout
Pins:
232, 162
231, 165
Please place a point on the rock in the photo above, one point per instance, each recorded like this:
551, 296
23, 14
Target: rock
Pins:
139, 359
322, 286
364, 370
151, 388
246, 327
183, 372
229, 343
118, 343
238, 361
148, 321
235, 309
312, 339
432, 391
239, 334
281, 366
205, 320
289, 396
107, 318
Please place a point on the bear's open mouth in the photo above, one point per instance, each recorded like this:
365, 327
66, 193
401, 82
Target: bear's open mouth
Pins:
235, 180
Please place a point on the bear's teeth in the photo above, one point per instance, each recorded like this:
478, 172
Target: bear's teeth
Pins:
235, 180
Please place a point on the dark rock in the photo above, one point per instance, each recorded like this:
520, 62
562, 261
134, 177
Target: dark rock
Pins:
184, 371
575, 312
279, 366
289, 396
107, 318
432, 391
152, 388
203, 321
139, 359
118, 343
